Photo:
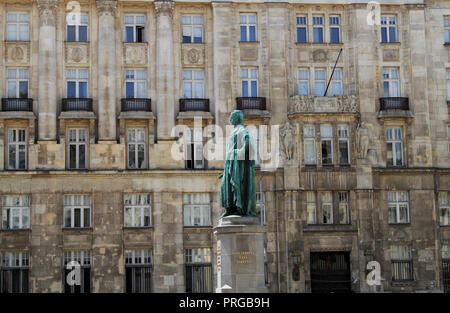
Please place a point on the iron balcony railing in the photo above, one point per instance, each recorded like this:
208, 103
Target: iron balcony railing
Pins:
136, 104
394, 103
77, 104
187, 105
251, 103
17, 104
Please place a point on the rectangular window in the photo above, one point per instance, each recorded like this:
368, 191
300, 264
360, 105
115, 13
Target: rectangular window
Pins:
336, 83
344, 147
16, 212
320, 82
444, 208
327, 207
137, 210
77, 211
15, 272
17, 81
445, 248
326, 133
198, 270
18, 27
448, 85
248, 27
193, 84
447, 30
77, 27
311, 208
197, 209
136, 148
303, 82
77, 83
402, 265
394, 146
344, 212
138, 271
71, 260
388, 28
192, 28
77, 148
302, 29
318, 29
398, 206
391, 82
135, 83
194, 151
309, 134
134, 28
17, 149
249, 80
335, 29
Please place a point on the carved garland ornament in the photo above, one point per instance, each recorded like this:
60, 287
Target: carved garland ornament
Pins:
47, 12
106, 7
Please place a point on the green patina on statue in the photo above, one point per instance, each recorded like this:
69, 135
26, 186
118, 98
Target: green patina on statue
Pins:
238, 189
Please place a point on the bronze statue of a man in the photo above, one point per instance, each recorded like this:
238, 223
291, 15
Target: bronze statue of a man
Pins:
238, 189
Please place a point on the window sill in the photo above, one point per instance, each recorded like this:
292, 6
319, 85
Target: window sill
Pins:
133, 42
447, 44
137, 228
396, 43
399, 283
16, 229
249, 42
448, 225
192, 43
17, 40
400, 224
209, 226
67, 41
77, 228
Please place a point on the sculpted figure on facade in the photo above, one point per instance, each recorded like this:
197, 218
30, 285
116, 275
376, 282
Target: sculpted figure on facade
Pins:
302, 104
363, 139
288, 132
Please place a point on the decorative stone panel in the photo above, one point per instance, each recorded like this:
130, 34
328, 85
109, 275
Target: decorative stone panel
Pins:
313, 104
390, 55
249, 51
319, 55
77, 53
17, 52
193, 54
135, 53
303, 55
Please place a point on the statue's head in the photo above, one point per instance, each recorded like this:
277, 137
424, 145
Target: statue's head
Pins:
237, 117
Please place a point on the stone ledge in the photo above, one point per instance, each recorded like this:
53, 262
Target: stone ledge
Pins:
77, 115
193, 114
256, 113
395, 113
137, 115
17, 115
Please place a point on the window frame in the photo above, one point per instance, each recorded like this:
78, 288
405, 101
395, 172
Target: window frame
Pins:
388, 27
337, 80
320, 26
329, 203
84, 259
300, 26
141, 207
77, 24
203, 208
142, 264
18, 23
24, 208
23, 267
136, 81
16, 144
77, 143
318, 80
205, 262
342, 138
77, 80
448, 83
322, 140
446, 30
192, 28
345, 203
310, 139
249, 79
393, 142
192, 81
402, 261
313, 205
444, 207
17, 80
136, 144
332, 26
303, 81
397, 203
247, 25
390, 80
135, 25
82, 207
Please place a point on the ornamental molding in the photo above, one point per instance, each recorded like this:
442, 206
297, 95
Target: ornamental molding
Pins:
47, 12
315, 104
106, 7
164, 8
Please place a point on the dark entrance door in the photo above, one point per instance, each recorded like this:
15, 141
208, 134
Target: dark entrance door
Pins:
330, 272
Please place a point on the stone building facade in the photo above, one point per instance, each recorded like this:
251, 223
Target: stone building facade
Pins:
91, 90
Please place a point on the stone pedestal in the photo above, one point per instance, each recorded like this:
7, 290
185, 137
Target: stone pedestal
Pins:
240, 255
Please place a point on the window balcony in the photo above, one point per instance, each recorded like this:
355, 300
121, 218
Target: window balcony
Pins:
394, 103
194, 105
251, 103
77, 104
17, 105
136, 104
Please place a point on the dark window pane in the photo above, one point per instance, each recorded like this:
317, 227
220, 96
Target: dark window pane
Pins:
318, 35
82, 33
383, 34
343, 152
23, 90
82, 90
252, 30
87, 217
77, 217
71, 33
197, 39
186, 39
87, 280
129, 34
243, 33
25, 280
15, 281
334, 35
140, 33
301, 34
71, 90
12, 157
392, 34
129, 279
326, 152
129, 90
82, 156
72, 156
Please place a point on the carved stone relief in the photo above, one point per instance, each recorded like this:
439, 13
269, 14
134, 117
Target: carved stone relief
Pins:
17, 53
320, 56
193, 55
135, 54
390, 55
288, 134
77, 53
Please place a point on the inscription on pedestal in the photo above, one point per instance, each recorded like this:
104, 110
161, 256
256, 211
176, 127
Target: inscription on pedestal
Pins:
243, 257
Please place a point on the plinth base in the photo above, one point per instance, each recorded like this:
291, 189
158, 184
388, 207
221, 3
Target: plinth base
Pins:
240, 255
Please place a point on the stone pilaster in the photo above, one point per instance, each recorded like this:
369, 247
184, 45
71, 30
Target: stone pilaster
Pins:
165, 100
47, 69
106, 69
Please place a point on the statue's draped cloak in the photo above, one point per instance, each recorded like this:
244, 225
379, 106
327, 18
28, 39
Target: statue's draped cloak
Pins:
238, 188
